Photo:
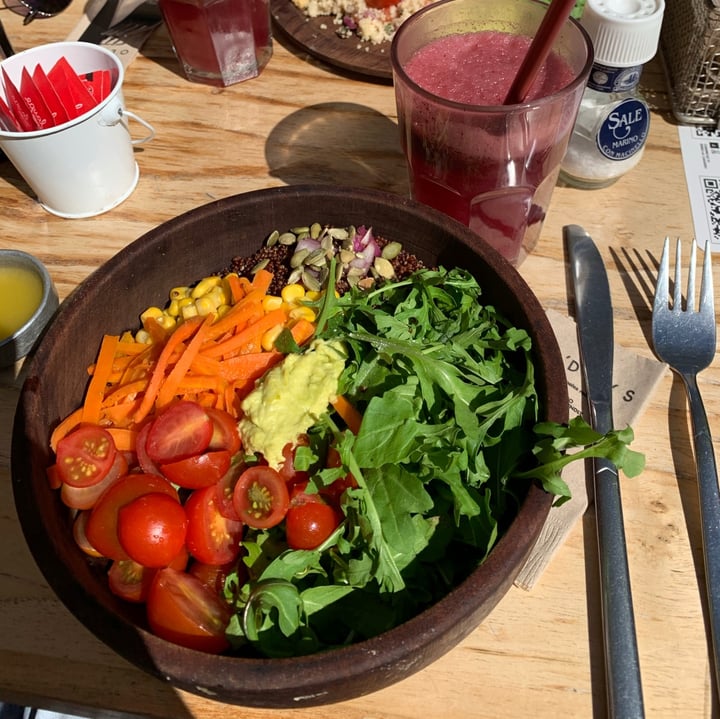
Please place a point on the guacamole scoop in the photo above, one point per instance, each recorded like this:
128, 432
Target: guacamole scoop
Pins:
290, 398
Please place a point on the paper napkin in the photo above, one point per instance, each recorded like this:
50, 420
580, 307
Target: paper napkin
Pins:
636, 379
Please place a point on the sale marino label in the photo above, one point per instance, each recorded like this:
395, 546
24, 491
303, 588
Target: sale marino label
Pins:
624, 129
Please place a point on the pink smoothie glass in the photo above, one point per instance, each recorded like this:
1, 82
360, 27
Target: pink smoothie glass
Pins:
491, 166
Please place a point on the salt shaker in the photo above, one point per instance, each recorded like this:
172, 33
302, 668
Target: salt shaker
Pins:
613, 120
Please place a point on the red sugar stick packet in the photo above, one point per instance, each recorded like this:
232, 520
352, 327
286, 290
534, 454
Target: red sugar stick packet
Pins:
97, 83
35, 102
23, 117
7, 121
72, 92
51, 98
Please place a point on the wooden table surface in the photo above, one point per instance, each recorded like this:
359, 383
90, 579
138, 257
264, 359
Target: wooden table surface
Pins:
539, 653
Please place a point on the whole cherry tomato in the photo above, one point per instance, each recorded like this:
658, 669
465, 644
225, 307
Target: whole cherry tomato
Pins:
309, 524
152, 529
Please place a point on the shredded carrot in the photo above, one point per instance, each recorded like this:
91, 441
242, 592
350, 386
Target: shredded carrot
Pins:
237, 288
124, 438
302, 331
65, 427
100, 379
348, 412
235, 344
170, 384
262, 280
181, 333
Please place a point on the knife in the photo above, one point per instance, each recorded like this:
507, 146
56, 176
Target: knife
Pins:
100, 23
594, 317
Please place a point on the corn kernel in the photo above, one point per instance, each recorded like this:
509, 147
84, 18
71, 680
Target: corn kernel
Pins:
222, 310
143, 337
313, 295
268, 339
271, 302
189, 310
173, 309
218, 296
151, 312
204, 286
302, 312
292, 294
167, 322
204, 306
177, 293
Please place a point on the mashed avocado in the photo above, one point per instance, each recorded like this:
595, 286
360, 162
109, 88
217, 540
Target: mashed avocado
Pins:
290, 398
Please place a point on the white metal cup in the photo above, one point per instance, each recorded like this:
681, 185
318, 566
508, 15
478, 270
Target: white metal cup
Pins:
85, 166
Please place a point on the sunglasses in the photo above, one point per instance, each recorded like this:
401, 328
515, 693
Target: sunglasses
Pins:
32, 9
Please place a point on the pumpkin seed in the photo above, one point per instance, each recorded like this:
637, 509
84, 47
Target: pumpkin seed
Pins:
310, 281
384, 268
327, 243
287, 238
295, 276
273, 238
260, 266
315, 230
338, 233
298, 258
316, 258
303, 230
346, 256
391, 250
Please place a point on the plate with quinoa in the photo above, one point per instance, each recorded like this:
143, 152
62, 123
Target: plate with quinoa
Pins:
352, 35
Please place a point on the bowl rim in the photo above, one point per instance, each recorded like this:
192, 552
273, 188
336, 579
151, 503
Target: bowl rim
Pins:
454, 616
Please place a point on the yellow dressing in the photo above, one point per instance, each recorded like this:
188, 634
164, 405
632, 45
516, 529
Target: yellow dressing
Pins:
20, 295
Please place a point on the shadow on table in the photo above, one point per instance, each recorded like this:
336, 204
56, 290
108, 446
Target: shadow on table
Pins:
338, 143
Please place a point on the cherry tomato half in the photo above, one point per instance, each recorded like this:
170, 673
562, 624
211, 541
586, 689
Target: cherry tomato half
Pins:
287, 470
85, 455
261, 497
101, 529
213, 576
211, 538
201, 470
131, 581
180, 431
85, 497
309, 524
152, 529
182, 610
225, 434
146, 464
335, 490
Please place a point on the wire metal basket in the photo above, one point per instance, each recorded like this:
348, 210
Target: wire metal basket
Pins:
690, 47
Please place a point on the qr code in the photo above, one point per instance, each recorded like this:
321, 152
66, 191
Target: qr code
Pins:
711, 195
708, 132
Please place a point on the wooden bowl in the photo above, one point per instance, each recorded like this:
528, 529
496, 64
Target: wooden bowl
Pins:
185, 249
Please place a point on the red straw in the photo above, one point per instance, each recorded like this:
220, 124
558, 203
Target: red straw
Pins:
555, 17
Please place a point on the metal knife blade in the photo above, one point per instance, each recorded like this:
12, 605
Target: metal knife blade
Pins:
100, 23
594, 317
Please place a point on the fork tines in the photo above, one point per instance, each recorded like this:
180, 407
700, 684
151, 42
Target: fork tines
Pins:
706, 290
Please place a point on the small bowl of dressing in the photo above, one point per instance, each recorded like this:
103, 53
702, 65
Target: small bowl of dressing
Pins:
28, 299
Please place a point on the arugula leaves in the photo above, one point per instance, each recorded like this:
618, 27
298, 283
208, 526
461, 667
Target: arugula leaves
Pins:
448, 445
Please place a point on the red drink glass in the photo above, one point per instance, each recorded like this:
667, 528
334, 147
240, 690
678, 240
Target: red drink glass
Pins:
491, 166
219, 42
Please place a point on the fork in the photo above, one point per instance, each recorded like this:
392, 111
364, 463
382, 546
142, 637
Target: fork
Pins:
685, 340
134, 28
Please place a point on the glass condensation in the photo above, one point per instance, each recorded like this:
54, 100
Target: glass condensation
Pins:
219, 42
